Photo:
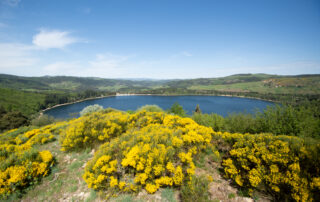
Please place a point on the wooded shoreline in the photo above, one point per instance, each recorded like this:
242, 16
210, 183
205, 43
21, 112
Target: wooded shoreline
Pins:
139, 94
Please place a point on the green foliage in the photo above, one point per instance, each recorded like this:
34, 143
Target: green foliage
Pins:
197, 110
241, 123
302, 120
231, 196
215, 121
17, 100
150, 108
197, 190
177, 109
12, 120
167, 194
90, 109
42, 120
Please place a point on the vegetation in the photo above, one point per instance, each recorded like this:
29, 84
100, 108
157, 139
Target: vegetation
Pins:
29, 95
11, 120
21, 163
150, 108
42, 120
286, 167
274, 152
177, 110
302, 121
155, 150
90, 109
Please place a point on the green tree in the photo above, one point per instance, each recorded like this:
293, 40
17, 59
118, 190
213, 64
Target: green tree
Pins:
42, 120
197, 110
13, 120
90, 109
177, 109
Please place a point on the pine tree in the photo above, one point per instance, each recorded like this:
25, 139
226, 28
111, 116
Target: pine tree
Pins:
198, 110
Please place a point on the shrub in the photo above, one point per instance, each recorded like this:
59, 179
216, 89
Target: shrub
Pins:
157, 150
20, 163
42, 120
286, 166
196, 190
94, 128
150, 108
215, 121
90, 109
177, 110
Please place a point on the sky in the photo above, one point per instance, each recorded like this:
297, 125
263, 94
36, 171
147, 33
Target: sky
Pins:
160, 39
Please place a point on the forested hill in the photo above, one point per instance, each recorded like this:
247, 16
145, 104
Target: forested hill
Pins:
261, 83
30, 94
70, 83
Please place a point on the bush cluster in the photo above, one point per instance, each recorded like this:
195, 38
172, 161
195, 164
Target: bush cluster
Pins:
285, 166
20, 163
302, 121
143, 150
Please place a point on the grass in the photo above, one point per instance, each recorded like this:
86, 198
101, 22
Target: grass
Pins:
92, 196
65, 181
231, 196
167, 195
196, 191
261, 87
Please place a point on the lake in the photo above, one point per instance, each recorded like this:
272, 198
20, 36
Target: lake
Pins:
208, 104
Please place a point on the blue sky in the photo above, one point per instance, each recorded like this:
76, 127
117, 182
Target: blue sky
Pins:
160, 39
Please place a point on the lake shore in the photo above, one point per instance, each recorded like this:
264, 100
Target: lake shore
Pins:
140, 94
77, 101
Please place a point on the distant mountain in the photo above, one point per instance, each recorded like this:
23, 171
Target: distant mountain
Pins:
237, 83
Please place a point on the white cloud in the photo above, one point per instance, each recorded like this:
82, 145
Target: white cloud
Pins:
53, 39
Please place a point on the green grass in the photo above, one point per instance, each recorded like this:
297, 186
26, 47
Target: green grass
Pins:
231, 196
65, 180
92, 196
196, 191
277, 86
167, 195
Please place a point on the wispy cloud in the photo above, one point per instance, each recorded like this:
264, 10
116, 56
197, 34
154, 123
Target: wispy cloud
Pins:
107, 61
182, 54
46, 39
12, 3
103, 65
16, 56
2, 25
62, 68
86, 10
186, 53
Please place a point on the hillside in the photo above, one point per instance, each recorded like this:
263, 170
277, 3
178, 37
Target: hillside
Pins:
153, 156
51, 90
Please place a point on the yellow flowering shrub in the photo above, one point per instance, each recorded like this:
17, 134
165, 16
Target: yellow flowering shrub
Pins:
284, 165
95, 127
21, 166
20, 163
157, 150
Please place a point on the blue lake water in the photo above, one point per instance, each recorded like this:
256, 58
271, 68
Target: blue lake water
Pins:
208, 104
